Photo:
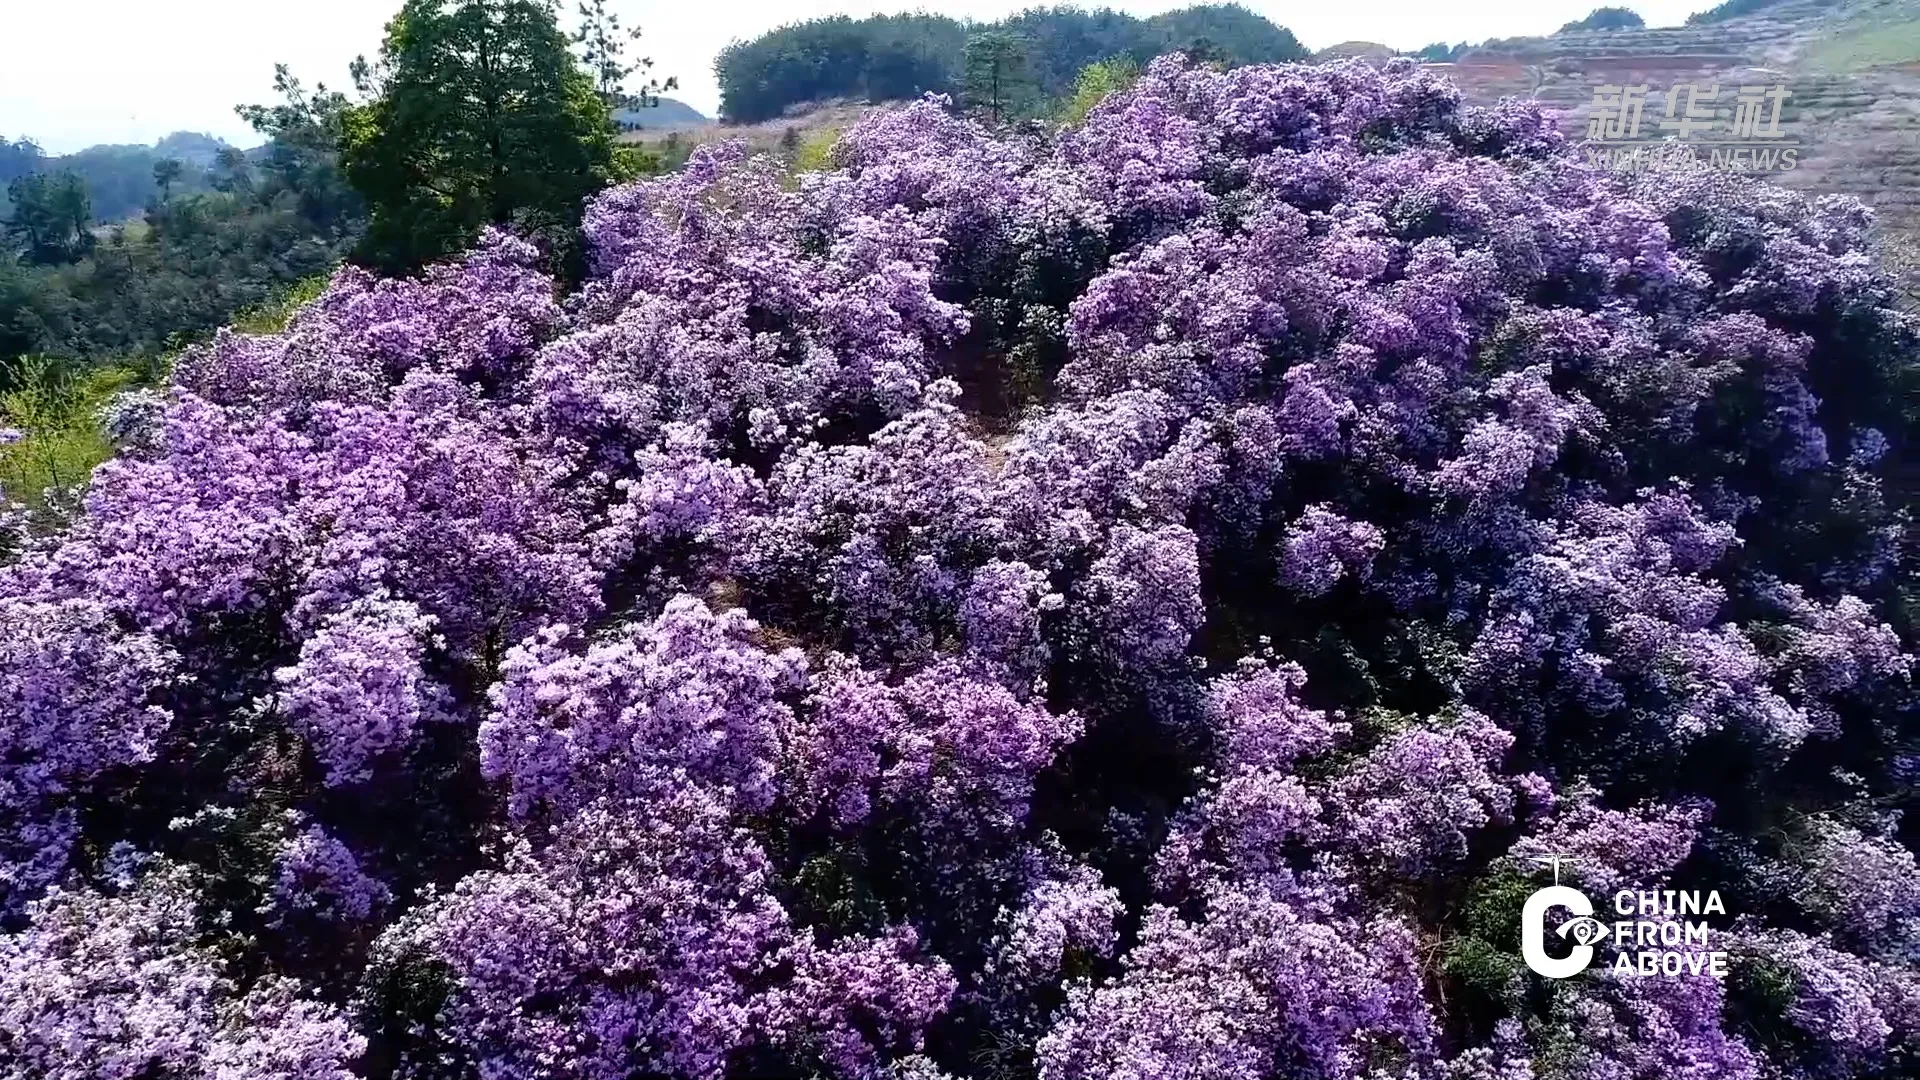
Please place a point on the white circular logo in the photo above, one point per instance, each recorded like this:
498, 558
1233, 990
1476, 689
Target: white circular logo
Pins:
1583, 929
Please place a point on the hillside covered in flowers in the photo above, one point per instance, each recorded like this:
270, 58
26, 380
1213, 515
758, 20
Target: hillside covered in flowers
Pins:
1123, 604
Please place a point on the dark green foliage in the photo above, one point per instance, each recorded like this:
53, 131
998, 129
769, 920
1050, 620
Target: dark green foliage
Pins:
999, 84
481, 116
257, 224
18, 158
49, 217
302, 156
894, 57
202, 258
881, 58
1607, 18
1481, 963
167, 172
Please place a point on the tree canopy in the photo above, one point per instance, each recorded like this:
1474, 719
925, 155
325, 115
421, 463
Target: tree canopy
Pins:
997, 74
1607, 18
50, 217
479, 114
897, 57
227, 230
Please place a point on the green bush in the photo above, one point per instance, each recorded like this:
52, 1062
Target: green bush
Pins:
59, 440
1097, 82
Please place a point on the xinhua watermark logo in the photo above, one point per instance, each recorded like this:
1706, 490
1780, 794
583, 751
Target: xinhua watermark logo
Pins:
1652, 934
1631, 127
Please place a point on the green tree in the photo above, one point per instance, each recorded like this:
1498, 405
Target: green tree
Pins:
232, 173
301, 160
1607, 18
998, 81
480, 115
1097, 82
1441, 53
900, 57
51, 217
18, 158
603, 48
166, 172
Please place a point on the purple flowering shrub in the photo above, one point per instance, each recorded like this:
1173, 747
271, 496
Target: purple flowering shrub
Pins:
1130, 602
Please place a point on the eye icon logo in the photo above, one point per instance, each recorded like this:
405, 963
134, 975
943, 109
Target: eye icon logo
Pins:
1583, 928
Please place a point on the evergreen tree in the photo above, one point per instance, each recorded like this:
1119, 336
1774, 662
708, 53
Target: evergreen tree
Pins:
603, 48
302, 156
998, 80
166, 172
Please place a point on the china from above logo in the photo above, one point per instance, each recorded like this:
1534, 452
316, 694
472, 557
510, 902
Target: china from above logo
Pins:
1655, 938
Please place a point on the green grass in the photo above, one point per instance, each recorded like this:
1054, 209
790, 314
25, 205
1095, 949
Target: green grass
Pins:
1871, 44
61, 443
56, 411
273, 316
815, 152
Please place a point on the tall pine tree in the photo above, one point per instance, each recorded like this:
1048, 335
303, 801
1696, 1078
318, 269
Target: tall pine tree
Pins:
999, 82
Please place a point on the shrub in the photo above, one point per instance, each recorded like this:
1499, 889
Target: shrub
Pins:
1133, 600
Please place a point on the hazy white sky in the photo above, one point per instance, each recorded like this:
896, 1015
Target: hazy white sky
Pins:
78, 72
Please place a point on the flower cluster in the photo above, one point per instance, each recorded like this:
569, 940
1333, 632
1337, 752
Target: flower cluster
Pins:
1131, 601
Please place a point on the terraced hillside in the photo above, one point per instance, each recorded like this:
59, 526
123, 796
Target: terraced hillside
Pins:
1852, 68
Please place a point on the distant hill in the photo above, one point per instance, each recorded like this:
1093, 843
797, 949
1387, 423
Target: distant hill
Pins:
897, 57
119, 177
1729, 10
1851, 67
1354, 50
667, 115
196, 150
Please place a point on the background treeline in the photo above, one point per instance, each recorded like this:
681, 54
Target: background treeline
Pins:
119, 178
1602, 18
893, 57
475, 113
215, 231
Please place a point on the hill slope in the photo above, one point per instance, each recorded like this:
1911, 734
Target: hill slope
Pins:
1852, 68
668, 115
119, 177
